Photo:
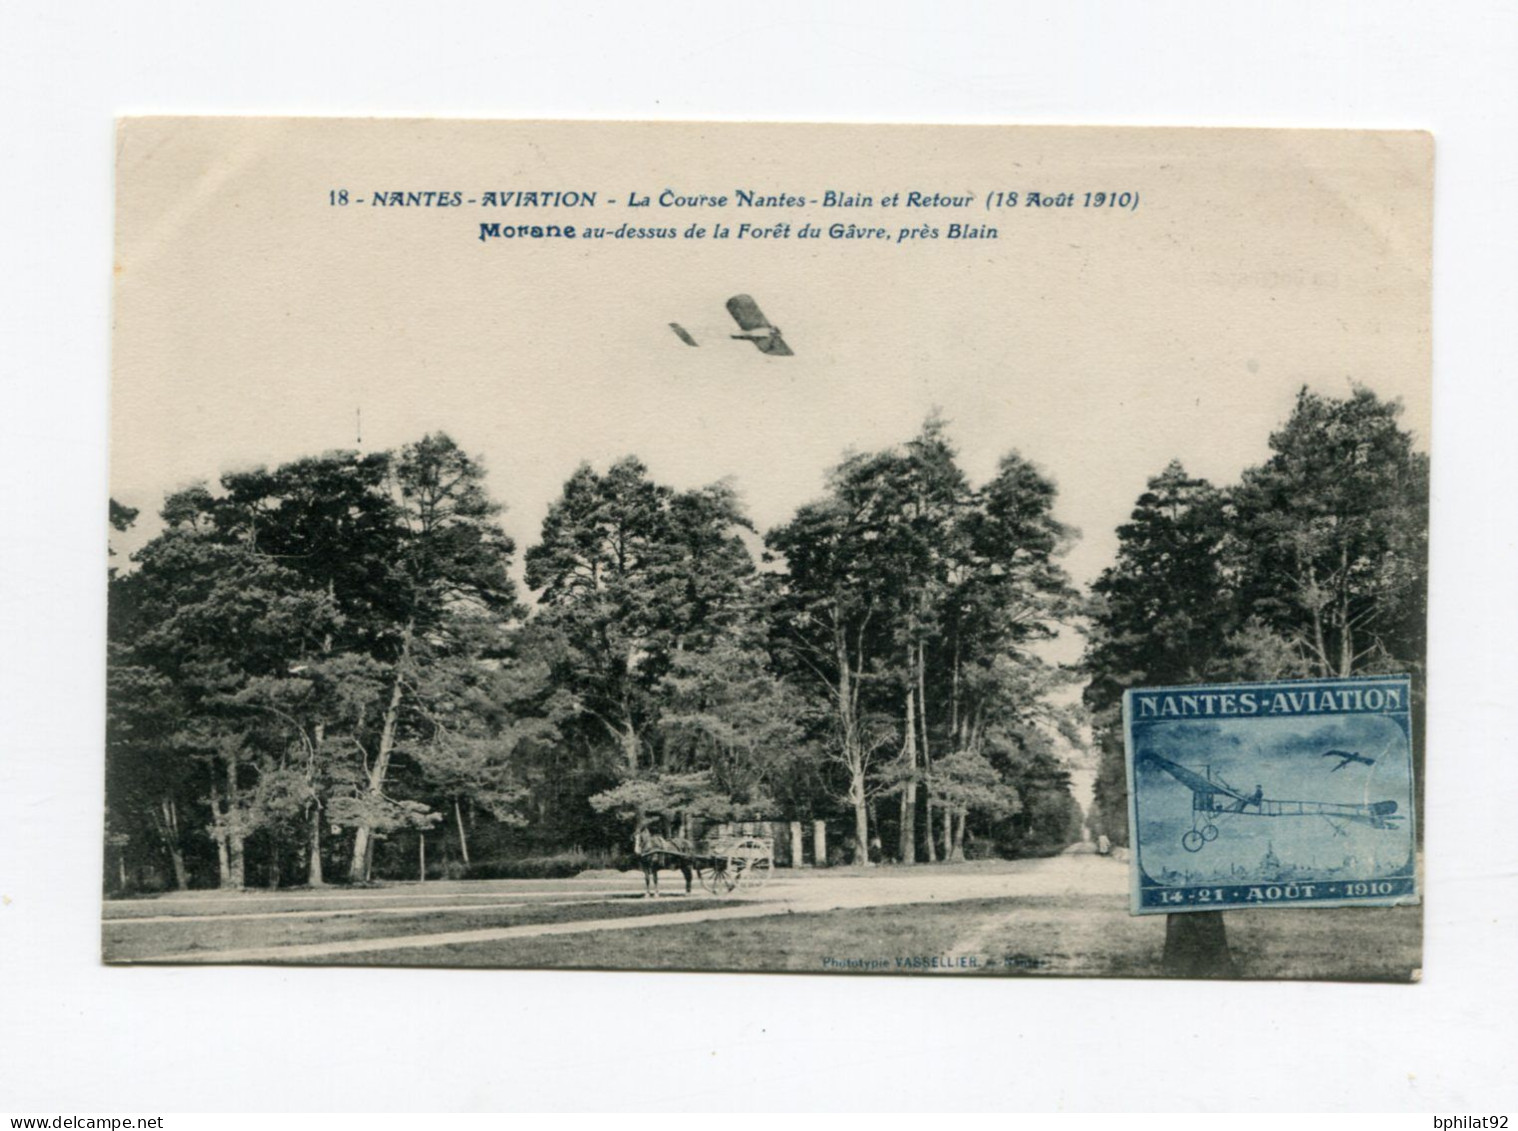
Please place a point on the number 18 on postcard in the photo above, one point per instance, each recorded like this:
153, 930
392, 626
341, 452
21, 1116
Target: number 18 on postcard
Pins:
1271, 794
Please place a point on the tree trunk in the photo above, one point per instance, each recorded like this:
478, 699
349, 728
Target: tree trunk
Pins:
235, 836
1318, 641
458, 816
853, 752
314, 877
949, 843
1346, 637
363, 853
363, 841
274, 876
1196, 946
954, 736
229, 855
176, 859
959, 835
219, 835
223, 865
631, 747
170, 827
927, 761
908, 847
314, 860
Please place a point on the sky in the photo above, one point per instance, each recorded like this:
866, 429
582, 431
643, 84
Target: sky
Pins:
1285, 758
254, 320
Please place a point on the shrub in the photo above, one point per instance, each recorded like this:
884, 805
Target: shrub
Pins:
559, 866
980, 848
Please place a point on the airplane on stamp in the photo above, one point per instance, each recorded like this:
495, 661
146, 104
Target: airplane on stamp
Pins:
1345, 758
1212, 797
755, 326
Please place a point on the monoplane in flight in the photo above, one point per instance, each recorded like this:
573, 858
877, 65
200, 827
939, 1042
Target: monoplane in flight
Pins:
1345, 758
755, 326
1212, 797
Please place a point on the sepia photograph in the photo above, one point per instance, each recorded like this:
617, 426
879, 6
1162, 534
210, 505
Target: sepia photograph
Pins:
728, 547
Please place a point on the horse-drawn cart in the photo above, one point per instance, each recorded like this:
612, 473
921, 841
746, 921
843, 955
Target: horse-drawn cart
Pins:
729, 864
724, 863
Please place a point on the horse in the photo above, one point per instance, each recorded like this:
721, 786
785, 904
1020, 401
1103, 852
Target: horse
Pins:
655, 852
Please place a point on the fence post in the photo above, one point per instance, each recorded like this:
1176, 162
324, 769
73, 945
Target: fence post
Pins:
820, 842
797, 859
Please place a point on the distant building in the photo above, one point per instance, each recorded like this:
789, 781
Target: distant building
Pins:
1271, 863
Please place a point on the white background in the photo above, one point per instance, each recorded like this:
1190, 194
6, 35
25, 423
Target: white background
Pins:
76, 1037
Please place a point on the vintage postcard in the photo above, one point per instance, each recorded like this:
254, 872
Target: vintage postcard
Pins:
838, 549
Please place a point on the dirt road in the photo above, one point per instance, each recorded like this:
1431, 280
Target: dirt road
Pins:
788, 893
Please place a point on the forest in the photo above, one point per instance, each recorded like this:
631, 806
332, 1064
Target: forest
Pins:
339, 669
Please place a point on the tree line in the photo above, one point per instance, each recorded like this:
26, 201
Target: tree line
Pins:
320, 671
314, 667
1314, 564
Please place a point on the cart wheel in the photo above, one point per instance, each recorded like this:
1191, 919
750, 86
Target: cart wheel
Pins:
1209, 833
756, 872
750, 864
1192, 841
719, 878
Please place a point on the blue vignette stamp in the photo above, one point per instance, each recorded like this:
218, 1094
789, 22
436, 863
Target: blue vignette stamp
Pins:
1296, 793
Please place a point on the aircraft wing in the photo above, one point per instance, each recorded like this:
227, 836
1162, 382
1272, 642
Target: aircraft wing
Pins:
682, 333
756, 327
774, 345
1190, 778
746, 313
